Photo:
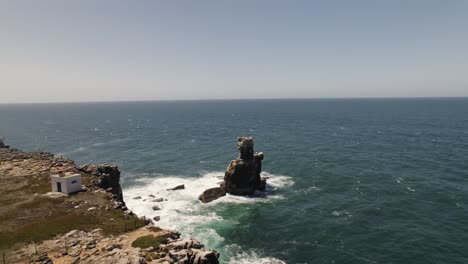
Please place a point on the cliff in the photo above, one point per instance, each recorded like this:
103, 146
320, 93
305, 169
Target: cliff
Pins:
94, 225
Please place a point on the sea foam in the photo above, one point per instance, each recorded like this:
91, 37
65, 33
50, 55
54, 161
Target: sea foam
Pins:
181, 210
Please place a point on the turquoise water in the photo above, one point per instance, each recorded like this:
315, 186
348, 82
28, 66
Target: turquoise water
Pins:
352, 181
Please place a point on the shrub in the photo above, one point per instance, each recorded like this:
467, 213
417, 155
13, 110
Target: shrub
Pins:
149, 241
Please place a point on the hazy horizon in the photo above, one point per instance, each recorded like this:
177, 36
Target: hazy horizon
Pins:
87, 51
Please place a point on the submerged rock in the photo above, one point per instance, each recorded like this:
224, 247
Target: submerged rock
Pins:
212, 194
178, 187
242, 176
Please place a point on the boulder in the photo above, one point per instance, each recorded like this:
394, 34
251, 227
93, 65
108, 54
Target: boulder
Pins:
212, 194
178, 187
156, 218
156, 208
242, 176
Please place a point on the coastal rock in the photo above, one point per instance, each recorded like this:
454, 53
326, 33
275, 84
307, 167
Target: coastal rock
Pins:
2, 144
212, 194
111, 247
105, 176
205, 257
242, 176
262, 186
14, 162
178, 187
185, 243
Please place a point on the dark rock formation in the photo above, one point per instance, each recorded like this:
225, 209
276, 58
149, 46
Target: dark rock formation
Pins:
212, 194
242, 176
262, 186
2, 144
105, 176
178, 187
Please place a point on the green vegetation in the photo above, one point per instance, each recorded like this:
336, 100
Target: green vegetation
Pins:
149, 241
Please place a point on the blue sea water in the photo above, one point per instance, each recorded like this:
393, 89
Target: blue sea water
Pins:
352, 180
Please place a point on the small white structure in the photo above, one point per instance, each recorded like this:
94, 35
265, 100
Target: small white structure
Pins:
70, 183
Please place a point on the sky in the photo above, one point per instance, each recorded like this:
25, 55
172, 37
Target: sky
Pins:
111, 50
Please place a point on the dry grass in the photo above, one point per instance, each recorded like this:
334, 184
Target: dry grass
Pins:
26, 215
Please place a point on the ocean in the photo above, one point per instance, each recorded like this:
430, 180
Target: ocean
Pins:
351, 180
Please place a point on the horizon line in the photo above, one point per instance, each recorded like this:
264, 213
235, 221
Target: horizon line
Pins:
238, 99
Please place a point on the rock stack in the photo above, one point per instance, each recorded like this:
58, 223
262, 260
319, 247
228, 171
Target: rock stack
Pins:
242, 176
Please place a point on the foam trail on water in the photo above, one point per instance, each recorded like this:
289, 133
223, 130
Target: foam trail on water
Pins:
181, 210
250, 256
98, 144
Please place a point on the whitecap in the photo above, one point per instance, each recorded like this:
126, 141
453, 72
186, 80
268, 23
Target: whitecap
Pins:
181, 210
240, 256
341, 213
97, 144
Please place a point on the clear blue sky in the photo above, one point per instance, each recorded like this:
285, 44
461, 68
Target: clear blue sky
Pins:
90, 50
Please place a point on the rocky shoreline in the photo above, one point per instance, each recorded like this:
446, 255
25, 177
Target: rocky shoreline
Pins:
25, 179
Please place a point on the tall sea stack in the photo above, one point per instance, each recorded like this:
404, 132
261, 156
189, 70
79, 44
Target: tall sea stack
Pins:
242, 176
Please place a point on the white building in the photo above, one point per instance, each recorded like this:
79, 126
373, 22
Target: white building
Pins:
66, 183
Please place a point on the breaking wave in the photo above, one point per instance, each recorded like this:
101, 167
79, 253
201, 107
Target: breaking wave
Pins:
181, 210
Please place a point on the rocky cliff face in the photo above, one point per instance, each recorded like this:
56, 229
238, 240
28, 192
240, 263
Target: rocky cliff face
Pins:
105, 176
242, 176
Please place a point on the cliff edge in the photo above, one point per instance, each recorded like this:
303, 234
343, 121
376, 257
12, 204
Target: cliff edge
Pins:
93, 225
